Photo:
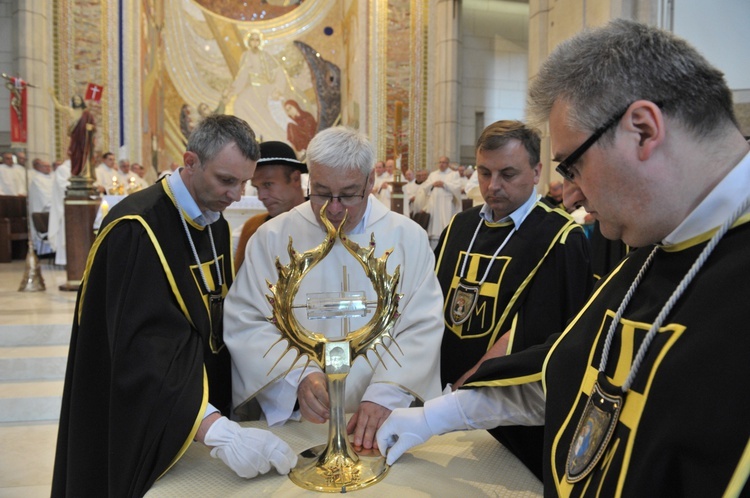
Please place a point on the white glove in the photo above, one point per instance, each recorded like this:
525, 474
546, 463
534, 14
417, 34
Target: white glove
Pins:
248, 451
405, 428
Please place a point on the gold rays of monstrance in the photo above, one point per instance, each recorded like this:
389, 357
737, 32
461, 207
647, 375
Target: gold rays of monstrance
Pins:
336, 467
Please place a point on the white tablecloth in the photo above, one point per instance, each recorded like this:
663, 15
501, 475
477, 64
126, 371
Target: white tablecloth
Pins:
461, 464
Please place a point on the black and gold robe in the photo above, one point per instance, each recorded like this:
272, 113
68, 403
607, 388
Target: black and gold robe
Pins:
537, 283
684, 428
140, 366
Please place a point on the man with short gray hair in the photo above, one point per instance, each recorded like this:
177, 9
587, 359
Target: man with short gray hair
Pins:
645, 392
340, 163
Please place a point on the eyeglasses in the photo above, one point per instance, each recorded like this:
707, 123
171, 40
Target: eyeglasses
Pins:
345, 200
566, 165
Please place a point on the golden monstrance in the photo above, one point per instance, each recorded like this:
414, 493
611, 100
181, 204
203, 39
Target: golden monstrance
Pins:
336, 467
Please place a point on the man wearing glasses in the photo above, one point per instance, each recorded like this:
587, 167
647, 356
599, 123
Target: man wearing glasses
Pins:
645, 393
340, 162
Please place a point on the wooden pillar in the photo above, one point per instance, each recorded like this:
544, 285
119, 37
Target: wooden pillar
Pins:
397, 197
80, 214
397, 192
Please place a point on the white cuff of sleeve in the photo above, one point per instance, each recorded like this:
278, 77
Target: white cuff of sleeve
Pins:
296, 376
277, 400
387, 395
209, 410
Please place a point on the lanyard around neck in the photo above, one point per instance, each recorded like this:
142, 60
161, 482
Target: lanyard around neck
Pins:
195, 252
497, 251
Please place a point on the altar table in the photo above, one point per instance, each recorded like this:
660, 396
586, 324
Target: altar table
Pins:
460, 464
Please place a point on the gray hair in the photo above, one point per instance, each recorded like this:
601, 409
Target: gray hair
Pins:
600, 72
217, 130
341, 148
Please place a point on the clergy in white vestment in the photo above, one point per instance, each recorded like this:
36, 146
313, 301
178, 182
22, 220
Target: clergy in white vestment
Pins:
462, 178
472, 189
380, 178
40, 186
410, 192
19, 169
8, 182
40, 198
340, 162
384, 183
443, 189
107, 173
420, 197
56, 225
132, 181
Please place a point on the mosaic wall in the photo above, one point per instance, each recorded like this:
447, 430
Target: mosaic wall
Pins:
80, 59
289, 68
250, 10
398, 70
281, 74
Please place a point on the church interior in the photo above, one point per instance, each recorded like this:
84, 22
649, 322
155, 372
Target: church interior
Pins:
421, 78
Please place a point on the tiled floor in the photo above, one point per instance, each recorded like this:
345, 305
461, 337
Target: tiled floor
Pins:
27, 449
51, 306
27, 453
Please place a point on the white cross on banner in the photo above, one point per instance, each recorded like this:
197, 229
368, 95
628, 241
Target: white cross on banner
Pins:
94, 92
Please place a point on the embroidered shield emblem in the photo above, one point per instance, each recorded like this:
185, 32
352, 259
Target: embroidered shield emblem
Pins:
464, 301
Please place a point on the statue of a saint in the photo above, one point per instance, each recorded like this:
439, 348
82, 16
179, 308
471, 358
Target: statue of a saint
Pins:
80, 117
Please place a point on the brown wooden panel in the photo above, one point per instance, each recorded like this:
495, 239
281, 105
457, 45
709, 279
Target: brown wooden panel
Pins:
80, 215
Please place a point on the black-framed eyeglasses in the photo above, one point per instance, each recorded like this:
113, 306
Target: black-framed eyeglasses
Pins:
345, 200
566, 165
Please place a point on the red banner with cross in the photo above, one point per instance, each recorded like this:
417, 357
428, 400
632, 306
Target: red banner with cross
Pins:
94, 92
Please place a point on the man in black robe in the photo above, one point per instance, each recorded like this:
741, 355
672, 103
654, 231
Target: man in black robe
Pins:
513, 271
147, 370
645, 393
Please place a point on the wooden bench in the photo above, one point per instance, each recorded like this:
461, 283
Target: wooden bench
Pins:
14, 228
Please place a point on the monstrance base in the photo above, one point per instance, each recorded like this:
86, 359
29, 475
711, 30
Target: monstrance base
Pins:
338, 473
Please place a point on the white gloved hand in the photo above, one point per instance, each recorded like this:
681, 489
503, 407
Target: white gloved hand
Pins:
248, 451
405, 428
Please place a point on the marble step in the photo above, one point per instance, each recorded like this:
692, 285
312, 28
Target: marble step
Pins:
26, 363
30, 401
31, 377
35, 335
